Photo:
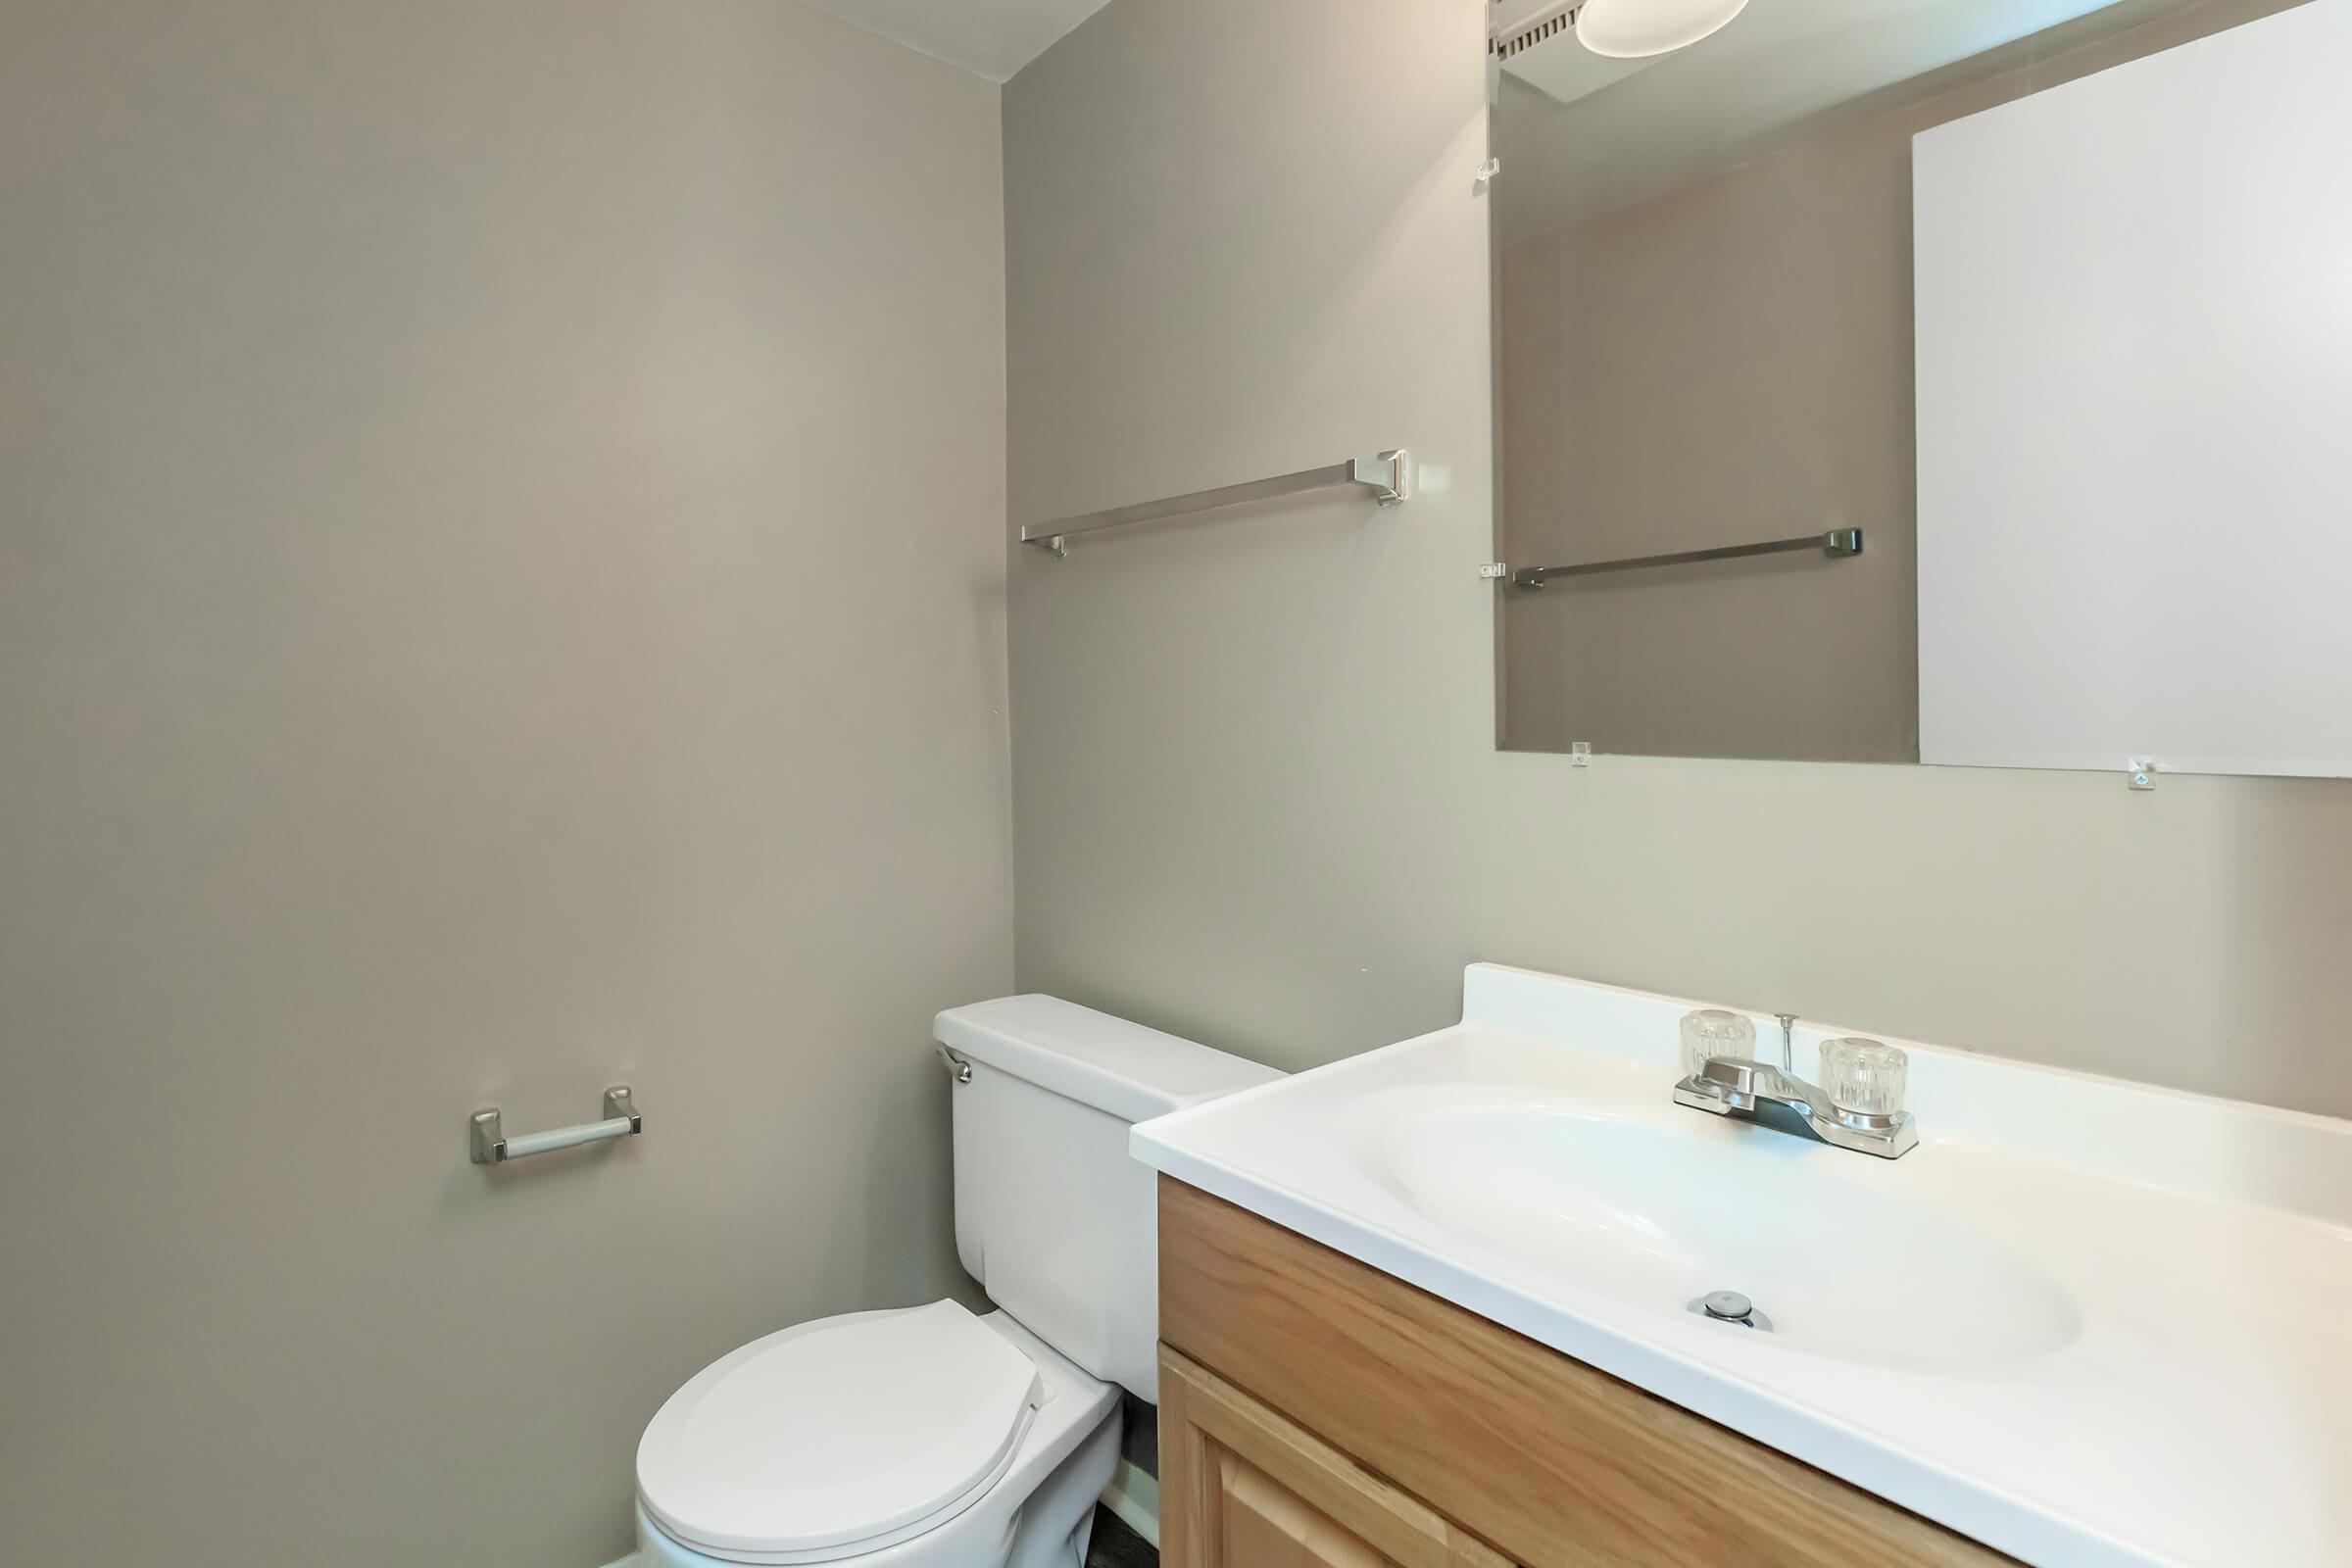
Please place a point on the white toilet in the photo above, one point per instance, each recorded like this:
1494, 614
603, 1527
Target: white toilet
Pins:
929, 1436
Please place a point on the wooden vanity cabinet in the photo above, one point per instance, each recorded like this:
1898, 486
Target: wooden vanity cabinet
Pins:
1317, 1413
1241, 1487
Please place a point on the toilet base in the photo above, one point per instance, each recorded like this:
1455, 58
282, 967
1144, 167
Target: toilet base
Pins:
1058, 1520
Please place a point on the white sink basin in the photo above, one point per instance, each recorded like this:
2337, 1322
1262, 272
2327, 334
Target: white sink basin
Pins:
1656, 1219
2092, 1324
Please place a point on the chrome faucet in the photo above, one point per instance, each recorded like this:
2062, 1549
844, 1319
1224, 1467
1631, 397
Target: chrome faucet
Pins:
1738, 1086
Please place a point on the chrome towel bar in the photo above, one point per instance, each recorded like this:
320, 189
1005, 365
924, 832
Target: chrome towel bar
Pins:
1836, 543
492, 1147
1388, 478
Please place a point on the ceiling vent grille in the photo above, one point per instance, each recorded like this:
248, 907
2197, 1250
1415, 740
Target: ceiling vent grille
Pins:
1550, 23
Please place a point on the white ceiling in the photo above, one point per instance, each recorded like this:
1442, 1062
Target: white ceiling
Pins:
992, 38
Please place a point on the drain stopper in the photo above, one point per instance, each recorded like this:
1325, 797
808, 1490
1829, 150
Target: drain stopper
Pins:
1729, 1305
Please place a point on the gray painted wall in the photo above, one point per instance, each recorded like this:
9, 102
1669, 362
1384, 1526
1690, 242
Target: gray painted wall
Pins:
477, 621
1256, 795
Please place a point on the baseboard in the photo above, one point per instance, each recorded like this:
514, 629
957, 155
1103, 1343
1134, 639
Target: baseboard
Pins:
1134, 1496
630, 1561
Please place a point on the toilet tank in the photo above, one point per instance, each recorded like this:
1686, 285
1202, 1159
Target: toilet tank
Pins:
1054, 1217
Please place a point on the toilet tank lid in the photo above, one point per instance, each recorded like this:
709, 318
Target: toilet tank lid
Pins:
1117, 1067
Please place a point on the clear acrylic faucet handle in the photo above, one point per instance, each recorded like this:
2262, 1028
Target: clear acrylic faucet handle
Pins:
1867, 1077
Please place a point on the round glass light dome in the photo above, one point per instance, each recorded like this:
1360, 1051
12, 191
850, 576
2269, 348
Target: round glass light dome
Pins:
1628, 29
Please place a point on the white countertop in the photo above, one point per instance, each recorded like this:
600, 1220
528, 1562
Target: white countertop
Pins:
2090, 1324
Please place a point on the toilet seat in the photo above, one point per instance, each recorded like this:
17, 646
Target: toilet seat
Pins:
840, 1437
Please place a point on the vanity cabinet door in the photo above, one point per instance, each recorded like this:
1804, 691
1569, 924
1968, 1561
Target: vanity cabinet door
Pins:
1242, 1486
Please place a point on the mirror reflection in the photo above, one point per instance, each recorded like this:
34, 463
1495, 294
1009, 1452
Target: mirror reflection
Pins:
1726, 406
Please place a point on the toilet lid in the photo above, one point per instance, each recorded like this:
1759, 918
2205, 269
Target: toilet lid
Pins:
832, 1433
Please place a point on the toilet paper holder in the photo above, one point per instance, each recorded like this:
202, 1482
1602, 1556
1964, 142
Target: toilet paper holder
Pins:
491, 1146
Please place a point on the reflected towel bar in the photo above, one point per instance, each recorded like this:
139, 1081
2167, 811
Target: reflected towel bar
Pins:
491, 1146
1836, 543
1387, 476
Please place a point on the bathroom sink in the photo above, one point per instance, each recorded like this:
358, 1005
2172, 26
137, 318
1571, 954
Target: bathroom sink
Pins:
1659, 1216
2090, 1324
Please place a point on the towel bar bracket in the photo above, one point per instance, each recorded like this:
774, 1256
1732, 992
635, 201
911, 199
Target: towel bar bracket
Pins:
1388, 476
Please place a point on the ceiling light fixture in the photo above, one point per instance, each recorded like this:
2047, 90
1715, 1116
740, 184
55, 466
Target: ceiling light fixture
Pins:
1629, 30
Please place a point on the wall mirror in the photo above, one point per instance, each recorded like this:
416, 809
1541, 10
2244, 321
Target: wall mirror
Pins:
1947, 381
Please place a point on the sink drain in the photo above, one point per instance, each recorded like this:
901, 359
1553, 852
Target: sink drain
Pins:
1730, 1306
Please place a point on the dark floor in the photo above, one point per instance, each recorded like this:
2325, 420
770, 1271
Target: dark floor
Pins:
1117, 1546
